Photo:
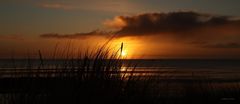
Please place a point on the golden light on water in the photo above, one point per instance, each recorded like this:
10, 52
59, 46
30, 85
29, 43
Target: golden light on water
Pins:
123, 69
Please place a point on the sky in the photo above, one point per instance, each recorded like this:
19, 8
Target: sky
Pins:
148, 28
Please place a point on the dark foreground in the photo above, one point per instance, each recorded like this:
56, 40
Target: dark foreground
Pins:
131, 90
117, 82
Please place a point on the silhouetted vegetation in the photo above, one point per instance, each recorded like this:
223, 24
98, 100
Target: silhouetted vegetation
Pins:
98, 77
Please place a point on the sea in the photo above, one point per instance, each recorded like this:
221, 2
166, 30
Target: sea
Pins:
175, 68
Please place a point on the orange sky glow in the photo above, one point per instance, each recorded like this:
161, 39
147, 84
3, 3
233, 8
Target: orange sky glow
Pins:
148, 29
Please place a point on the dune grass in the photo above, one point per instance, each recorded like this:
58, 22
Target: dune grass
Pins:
97, 77
89, 76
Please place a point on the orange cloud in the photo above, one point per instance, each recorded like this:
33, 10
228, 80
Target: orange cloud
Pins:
117, 23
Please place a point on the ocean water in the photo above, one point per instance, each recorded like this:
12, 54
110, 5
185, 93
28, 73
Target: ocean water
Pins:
174, 68
170, 78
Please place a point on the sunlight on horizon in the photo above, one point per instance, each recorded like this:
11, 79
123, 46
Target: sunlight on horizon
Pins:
124, 53
130, 49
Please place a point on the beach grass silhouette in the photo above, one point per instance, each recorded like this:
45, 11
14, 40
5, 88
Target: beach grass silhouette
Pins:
98, 77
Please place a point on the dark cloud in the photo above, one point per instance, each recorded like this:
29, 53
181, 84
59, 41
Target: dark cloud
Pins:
199, 29
223, 45
75, 35
173, 22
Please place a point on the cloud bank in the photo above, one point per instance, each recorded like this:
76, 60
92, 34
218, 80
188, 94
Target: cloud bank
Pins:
173, 22
205, 30
76, 35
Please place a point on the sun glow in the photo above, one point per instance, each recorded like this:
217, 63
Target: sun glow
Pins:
124, 53
126, 47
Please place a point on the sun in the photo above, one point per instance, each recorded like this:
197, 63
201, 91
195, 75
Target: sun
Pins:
124, 53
